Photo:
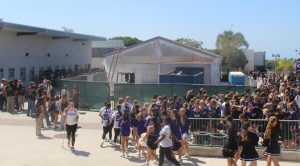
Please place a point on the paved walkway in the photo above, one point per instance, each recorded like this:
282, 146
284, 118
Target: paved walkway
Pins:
20, 147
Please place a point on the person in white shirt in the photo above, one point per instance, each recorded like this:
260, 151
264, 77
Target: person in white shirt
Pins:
127, 104
165, 143
105, 114
297, 99
71, 119
1, 94
115, 119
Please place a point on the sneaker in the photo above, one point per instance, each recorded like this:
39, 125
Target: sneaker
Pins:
156, 162
123, 155
126, 154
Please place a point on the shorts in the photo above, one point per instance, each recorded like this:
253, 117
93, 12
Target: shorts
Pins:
21, 99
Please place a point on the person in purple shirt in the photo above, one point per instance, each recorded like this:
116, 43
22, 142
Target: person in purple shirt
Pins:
289, 129
185, 124
249, 110
177, 102
125, 132
176, 130
141, 128
134, 123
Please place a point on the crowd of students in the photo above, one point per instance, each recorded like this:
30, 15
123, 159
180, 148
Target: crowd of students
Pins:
166, 122
43, 103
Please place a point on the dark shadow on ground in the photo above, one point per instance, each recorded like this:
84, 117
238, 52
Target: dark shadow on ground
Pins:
44, 137
81, 153
135, 159
194, 161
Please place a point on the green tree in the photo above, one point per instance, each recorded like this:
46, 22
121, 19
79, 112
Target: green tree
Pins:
270, 64
67, 29
128, 41
284, 65
230, 45
190, 42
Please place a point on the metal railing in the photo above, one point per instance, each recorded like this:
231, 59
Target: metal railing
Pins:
213, 132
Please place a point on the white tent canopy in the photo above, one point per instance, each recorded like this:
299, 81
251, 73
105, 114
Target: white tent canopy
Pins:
159, 51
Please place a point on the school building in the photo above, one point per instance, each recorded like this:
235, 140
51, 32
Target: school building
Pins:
26, 51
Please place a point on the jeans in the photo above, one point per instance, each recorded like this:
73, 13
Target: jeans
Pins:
166, 151
31, 107
62, 123
1, 101
47, 119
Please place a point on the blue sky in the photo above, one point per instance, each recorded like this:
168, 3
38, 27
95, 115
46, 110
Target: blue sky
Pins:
268, 25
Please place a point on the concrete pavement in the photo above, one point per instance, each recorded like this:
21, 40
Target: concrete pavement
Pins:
20, 147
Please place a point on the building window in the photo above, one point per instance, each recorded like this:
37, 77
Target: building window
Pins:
31, 73
11, 73
1, 73
23, 74
125, 78
49, 68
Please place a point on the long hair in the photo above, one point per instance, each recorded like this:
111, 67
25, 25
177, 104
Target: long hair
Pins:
126, 116
229, 119
40, 101
155, 123
119, 109
271, 121
245, 127
176, 116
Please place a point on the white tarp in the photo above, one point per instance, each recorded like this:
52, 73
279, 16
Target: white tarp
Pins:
160, 51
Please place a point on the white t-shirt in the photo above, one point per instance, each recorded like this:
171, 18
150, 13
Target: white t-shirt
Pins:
125, 106
1, 87
71, 116
116, 117
106, 115
297, 100
167, 141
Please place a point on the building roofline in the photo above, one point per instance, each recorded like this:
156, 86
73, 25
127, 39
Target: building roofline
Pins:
170, 41
50, 32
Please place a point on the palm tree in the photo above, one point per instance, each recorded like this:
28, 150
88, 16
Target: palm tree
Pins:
231, 39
